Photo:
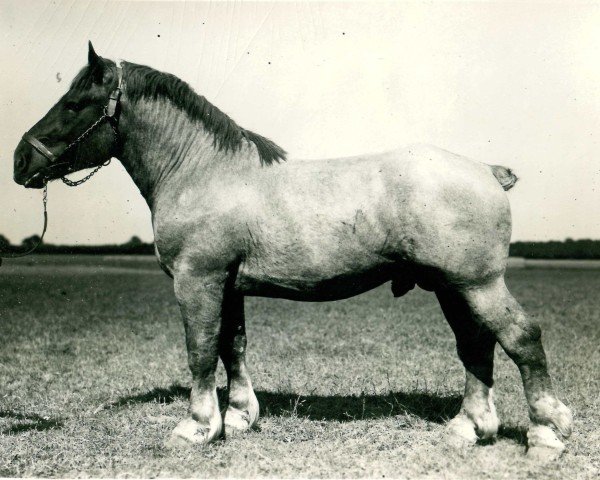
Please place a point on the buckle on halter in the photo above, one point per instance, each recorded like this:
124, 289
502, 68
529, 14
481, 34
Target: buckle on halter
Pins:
113, 101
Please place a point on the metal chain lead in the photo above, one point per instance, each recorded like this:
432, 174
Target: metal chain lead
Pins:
76, 183
86, 133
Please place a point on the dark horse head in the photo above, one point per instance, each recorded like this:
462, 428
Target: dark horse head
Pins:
76, 133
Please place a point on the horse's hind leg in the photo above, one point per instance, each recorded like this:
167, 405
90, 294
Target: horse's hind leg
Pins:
491, 305
242, 409
475, 345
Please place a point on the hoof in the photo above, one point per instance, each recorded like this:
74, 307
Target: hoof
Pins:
481, 412
236, 420
549, 410
189, 432
543, 444
486, 424
563, 420
460, 431
543, 454
241, 419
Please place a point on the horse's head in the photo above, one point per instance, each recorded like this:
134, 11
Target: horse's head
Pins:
68, 138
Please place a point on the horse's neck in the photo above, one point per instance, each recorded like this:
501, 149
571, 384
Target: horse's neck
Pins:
164, 148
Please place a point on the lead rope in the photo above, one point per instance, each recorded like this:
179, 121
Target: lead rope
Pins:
66, 181
39, 242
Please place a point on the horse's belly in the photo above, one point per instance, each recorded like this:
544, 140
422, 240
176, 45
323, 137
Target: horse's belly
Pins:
254, 282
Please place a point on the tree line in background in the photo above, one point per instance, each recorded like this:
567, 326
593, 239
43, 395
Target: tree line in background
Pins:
576, 249
134, 246
584, 249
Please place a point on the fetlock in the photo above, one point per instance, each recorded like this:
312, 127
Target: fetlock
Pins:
548, 410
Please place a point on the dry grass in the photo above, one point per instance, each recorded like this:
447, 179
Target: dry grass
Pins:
94, 376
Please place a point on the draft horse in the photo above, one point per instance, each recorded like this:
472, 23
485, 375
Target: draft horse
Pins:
232, 219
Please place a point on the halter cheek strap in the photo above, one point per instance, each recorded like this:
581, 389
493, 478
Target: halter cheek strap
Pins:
115, 96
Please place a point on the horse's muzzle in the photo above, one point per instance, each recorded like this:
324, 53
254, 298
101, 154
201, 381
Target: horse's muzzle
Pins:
37, 180
27, 165
32, 169
44, 174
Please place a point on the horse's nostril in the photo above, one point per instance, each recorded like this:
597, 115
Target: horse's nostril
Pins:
21, 163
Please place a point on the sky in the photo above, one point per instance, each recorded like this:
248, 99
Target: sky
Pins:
516, 84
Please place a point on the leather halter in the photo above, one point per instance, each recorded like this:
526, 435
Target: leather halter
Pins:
39, 146
111, 113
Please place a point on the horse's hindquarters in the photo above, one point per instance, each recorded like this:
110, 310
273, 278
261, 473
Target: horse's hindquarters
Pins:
459, 220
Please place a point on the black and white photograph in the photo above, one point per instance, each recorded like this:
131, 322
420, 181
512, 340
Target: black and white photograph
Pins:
300, 239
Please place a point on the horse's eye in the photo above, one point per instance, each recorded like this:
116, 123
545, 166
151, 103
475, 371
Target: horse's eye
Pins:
74, 106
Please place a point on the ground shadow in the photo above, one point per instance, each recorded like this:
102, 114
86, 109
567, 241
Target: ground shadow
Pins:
28, 421
516, 434
342, 408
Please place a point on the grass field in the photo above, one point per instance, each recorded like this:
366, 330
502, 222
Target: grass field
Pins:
93, 377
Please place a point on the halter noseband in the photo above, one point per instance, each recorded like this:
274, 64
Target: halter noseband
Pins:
111, 114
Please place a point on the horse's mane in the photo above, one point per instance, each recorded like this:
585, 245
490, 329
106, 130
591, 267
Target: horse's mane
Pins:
145, 82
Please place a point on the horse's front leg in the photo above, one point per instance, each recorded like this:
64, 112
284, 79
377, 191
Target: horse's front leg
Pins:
200, 298
242, 409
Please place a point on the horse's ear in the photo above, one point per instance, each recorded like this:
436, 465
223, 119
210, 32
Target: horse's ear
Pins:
93, 58
95, 63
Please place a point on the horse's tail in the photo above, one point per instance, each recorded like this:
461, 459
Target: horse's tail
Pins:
505, 176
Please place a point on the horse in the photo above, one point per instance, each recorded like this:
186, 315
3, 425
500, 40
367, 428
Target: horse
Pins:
232, 218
